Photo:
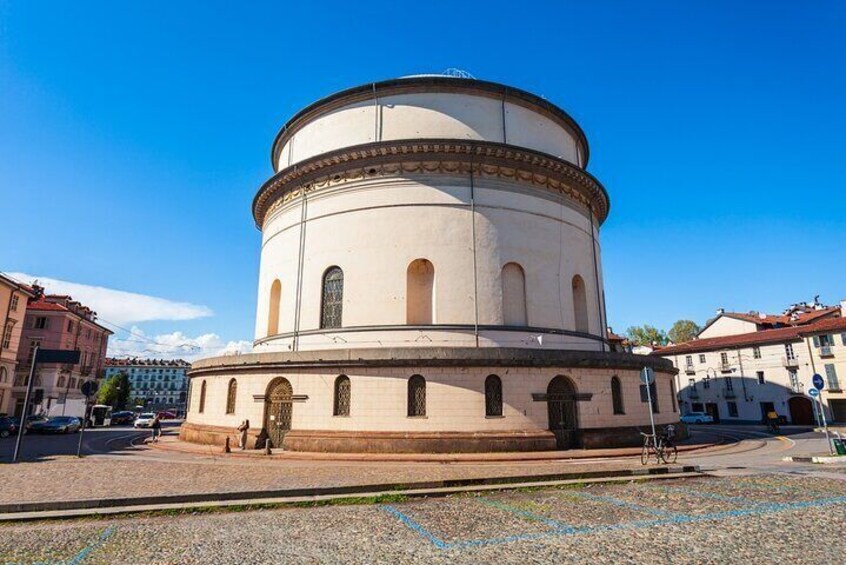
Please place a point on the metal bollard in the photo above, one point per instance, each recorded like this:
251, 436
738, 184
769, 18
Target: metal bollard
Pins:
267, 450
226, 448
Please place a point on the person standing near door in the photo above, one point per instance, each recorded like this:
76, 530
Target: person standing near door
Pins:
242, 434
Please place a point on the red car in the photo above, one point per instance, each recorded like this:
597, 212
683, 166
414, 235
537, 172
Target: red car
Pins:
165, 415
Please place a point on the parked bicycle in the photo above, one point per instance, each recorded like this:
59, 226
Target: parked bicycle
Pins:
662, 448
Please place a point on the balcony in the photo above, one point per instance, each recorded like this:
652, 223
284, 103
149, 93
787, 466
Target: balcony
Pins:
725, 367
729, 393
693, 393
689, 370
825, 351
85, 370
789, 362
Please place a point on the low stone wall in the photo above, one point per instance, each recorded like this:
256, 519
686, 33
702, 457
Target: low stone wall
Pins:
216, 435
599, 438
426, 442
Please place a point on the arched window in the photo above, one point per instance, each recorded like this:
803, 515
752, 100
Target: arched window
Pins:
331, 307
617, 395
61, 382
3, 375
343, 394
202, 397
420, 292
580, 308
493, 396
231, 394
416, 396
273, 308
514, 295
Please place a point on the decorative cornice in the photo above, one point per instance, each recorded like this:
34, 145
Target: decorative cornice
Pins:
432, 156
341, 359
441, 84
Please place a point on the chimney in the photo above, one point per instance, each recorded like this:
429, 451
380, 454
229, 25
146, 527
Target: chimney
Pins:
843, 308
721, 311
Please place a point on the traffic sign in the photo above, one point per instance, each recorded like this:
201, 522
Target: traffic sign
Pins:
647, 376
818, 381
814, 392
89, 388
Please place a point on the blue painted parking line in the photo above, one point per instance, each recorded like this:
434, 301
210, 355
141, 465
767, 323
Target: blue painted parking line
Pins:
759, 510
415, 526
84, 553
526, 514
623, 503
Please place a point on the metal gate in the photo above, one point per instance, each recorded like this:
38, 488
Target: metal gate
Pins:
561, 405
278, 408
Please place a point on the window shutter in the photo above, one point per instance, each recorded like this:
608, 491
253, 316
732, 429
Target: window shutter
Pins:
843, 338
816, 341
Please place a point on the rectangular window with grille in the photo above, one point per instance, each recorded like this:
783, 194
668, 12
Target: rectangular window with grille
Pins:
732, 409
761, 378
831, 377
702, 358
756, 352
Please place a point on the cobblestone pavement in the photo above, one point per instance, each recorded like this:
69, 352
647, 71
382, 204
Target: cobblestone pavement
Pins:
741, 519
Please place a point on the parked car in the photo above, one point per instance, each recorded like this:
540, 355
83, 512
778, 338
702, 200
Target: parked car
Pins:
7, 427
697, 418
144, 420
57, 425
123, 417
29, 421
166, 415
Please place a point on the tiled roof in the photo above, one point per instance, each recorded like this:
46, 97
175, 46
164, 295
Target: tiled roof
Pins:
783, 319
43, 305
790, 333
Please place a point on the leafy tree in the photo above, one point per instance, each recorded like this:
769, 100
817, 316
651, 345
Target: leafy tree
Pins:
646, 335
114, 391
683, 330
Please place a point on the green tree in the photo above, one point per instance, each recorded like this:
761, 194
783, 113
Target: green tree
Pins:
646, 335
683, 330
114, 391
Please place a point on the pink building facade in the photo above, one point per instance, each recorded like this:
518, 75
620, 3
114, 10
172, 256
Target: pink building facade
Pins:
58, 322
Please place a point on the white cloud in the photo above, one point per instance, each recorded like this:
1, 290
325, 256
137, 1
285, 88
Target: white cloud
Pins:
118, 306
174, 345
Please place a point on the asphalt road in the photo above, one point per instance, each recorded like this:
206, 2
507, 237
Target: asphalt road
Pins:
95, 441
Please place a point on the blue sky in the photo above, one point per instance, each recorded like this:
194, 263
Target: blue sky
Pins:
133, 137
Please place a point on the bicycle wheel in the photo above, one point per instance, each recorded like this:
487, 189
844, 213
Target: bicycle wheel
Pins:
670, 453
644, 454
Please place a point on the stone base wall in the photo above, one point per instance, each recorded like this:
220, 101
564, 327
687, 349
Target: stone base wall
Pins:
216, 435
404, 442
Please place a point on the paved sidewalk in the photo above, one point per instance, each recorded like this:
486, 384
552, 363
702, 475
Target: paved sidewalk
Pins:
149, 473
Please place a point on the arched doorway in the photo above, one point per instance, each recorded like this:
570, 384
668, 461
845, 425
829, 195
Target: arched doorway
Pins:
561, 406
278, 410
801, 411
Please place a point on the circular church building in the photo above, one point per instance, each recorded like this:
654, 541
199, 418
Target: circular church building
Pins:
430, 281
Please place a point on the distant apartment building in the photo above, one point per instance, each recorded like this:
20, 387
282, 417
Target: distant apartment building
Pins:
742, 365
58, 322
155, 383
13, 302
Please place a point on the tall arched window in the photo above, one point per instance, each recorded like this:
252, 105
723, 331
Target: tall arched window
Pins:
3, 375
331, 307
420, 292
617, 395
202, 397
273, 308
580, 308
343, 395
493, 396
514, 295
231, 394
416, 396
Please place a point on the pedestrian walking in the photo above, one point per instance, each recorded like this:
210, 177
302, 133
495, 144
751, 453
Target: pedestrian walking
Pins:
242, 434
157, 429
